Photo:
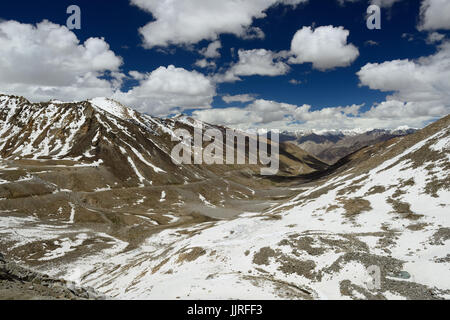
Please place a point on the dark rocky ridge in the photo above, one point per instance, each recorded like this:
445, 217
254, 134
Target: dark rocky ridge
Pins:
17, 283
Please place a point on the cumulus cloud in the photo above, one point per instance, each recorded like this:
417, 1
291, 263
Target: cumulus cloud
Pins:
325, 47
190, 21
420, 88
204, 63
435, 15
260, 62
169, 89
239, 98
209, 53
136, 75
399, 110
266, 114
269, 114
46, 61
228, 116
419, 92
212, 50
422, 84
435, 37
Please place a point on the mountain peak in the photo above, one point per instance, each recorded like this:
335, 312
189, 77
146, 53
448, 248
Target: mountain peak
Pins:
113, 107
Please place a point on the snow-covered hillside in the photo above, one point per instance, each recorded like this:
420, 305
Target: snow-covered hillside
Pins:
388, 208
135, 147
88, 192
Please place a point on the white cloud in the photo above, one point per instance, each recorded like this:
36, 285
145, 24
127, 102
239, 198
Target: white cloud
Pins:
271, 111
136, 75
276, 115
239, 98
435, 15
395, 110
227, 116
371, 43
212, 50
325, 47
419, 92
408, 36
190, 21
204, 63
434, 37
421, 89
253, 33
422, 83
46, 61
169, 89
209, 53
260, 62
295, 82
270, 115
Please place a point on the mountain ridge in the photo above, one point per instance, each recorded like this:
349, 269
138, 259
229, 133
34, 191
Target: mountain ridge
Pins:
333, 146
219, 232
105, 165
386, 208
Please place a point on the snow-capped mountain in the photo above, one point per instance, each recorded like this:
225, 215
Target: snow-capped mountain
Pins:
90, 133
103, 164
402, 130
89, 193
386, 210
99, 131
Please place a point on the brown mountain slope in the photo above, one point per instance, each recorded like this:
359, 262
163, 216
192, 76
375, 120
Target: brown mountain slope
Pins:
376, 228
102, 165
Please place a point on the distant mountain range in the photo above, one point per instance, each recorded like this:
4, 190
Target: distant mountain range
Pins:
330, 146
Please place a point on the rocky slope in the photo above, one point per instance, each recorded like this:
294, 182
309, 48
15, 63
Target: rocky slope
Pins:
18, 283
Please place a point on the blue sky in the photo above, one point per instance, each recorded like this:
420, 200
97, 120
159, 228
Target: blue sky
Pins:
405, 35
